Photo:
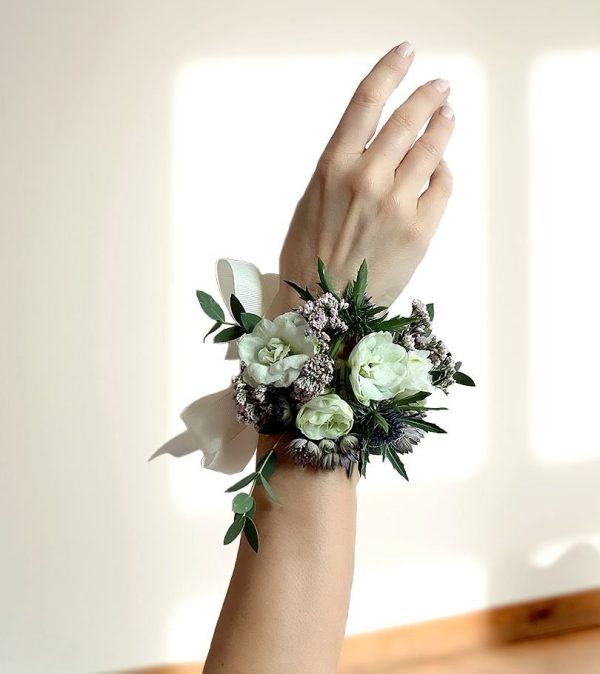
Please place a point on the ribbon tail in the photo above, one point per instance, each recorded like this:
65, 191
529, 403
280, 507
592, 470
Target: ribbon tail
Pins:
181, 445
212, 428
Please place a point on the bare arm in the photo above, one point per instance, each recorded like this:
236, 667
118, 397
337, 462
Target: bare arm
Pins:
286, 607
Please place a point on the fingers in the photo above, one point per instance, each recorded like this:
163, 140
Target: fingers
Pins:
360, 119
432, 203
424, 156
397, 135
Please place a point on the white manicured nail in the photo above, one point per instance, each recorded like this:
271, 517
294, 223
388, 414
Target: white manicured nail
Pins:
405, 49
447, 111
441, 85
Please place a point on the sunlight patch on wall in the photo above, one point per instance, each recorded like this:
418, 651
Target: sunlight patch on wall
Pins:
550, 553
401, 594
565, 274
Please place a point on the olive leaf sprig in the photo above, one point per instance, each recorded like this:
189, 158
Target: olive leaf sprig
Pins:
245, 321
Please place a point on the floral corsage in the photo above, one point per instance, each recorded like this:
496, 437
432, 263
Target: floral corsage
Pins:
337, 380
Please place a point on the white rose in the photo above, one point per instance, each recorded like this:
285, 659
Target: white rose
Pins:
381, 369
276, 350
325, 416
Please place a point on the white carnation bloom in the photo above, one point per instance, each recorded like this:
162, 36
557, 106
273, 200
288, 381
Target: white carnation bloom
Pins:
381, 369
326, 416
276, 350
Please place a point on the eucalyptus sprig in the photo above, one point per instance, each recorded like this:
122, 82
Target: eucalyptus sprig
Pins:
244, 505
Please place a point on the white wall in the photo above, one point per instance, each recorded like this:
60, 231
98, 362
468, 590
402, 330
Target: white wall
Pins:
124, 175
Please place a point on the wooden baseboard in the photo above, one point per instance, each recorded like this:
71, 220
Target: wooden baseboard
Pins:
449, 636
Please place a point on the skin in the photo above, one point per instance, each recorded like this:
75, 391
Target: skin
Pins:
286, 607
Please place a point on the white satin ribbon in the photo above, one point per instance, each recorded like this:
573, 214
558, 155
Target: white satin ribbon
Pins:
211, 425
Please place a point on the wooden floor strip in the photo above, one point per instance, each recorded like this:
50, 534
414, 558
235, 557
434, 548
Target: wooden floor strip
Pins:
531, 637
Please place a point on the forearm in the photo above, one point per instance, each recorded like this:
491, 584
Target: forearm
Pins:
295, 592
286, 607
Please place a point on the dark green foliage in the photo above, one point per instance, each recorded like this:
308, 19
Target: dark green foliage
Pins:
244, 505
251, 534
464, 379
249, 321
216, 326
210, 306
234, 530
392, 324
271, 493
304, 293
360, 285
242, 483
236, 308
228, 334
392, 455
325, 280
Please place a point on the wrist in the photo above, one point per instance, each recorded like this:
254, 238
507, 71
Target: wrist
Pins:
287, 464
286, 299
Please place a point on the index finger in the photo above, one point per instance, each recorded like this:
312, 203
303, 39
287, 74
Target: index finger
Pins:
360, 119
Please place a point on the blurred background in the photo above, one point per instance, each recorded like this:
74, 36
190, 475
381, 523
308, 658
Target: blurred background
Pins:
141, 141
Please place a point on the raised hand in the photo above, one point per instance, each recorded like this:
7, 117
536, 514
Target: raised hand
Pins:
368, 202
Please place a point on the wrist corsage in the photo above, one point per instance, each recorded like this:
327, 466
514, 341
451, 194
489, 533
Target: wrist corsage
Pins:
337, 380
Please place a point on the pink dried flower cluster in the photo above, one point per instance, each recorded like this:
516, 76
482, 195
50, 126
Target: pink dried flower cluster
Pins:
315, 375
323, 317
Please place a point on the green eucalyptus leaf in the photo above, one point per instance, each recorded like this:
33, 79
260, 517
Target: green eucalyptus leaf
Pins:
268, 467
251, 534
263, 459
457, 365
242, 483
395, 461
210, 306
242, 503
361, 283
304, 293
228, 334
236, 307
464, 379
249, 321
430, 311
271, 493
234, 530
216, 326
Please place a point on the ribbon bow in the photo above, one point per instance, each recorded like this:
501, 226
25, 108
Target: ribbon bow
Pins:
211, 425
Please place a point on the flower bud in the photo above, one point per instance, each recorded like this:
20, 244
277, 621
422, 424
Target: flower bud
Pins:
349, 443
327, 445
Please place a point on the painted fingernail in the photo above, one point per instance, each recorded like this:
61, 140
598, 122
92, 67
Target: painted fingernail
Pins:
441, 85
447, 111
405, 49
